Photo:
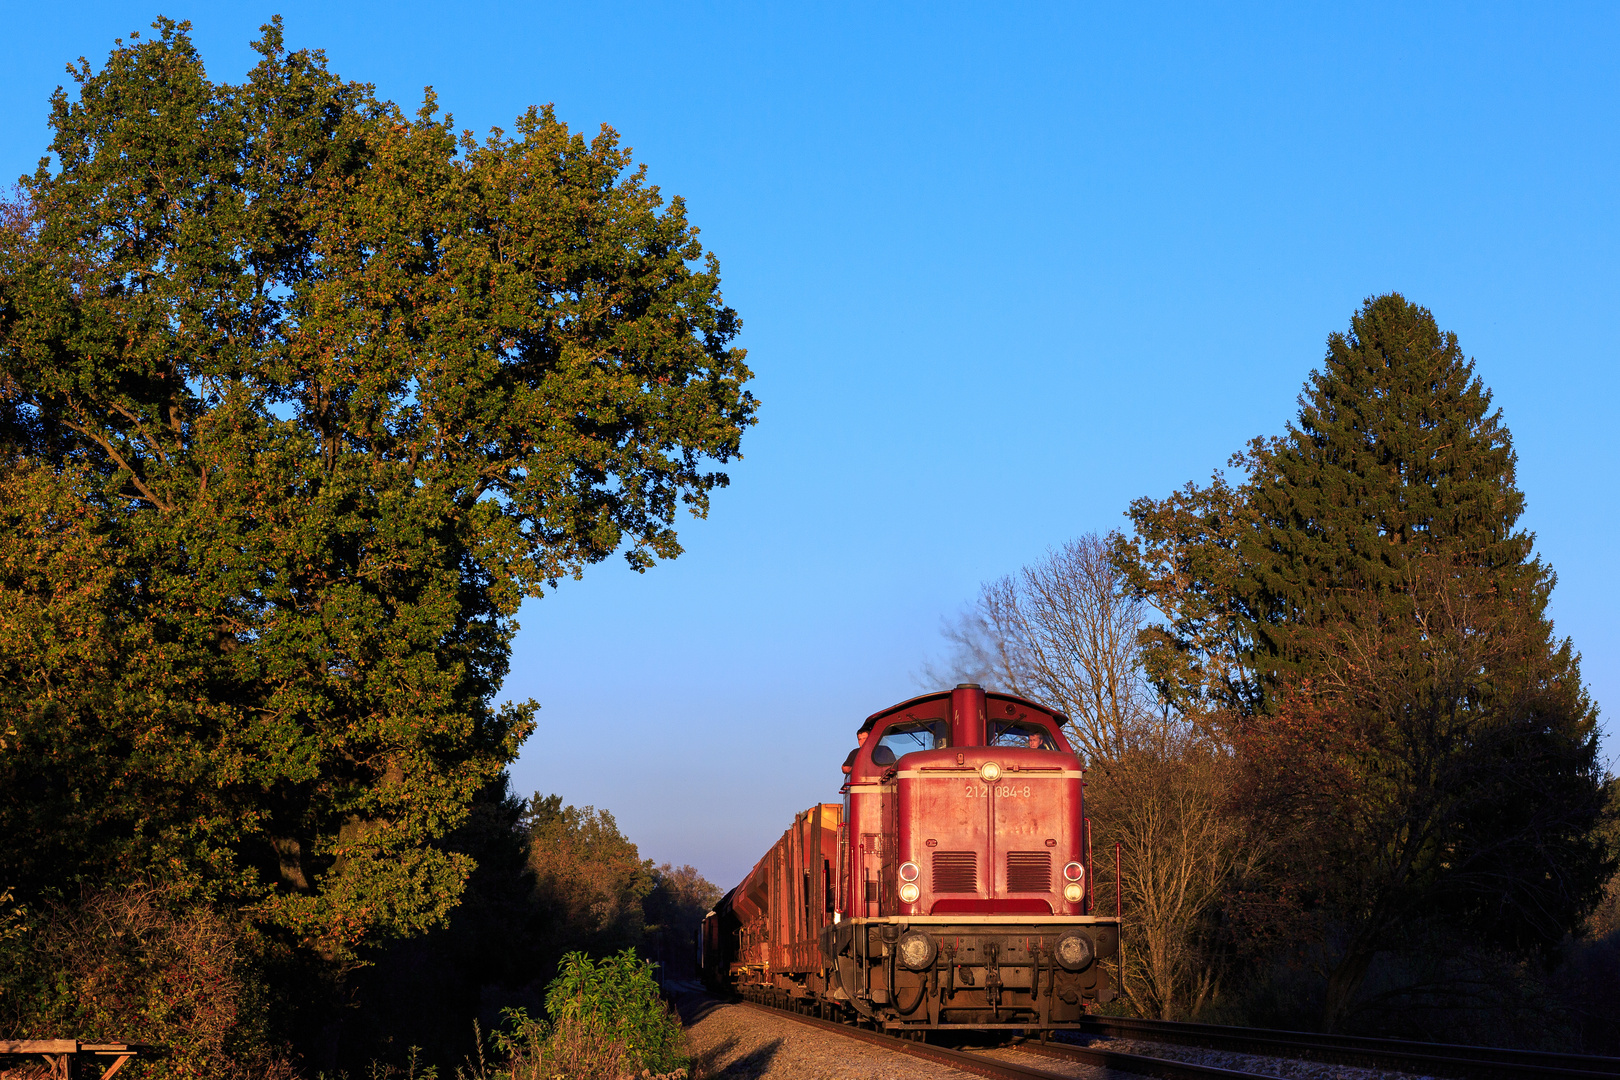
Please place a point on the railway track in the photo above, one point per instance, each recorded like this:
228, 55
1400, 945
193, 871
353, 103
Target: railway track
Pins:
1422, 1059
979, 1065
1431, 1059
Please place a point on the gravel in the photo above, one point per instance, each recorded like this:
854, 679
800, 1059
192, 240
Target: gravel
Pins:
732, 1042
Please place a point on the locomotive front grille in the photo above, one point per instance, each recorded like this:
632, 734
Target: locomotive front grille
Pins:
956, 871
1029, 871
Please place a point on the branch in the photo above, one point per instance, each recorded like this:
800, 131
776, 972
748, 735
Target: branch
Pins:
111, 451
141, 427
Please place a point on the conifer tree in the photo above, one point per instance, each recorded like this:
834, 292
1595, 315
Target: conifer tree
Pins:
1366, 621
1396, 459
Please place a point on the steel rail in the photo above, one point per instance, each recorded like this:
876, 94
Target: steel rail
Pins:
1159, 1068
1435, 1059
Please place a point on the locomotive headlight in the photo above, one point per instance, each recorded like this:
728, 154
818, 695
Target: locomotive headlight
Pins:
1074, 872
1072, 892
916, 950
908, 871
1074, 951
990, 771
908, 892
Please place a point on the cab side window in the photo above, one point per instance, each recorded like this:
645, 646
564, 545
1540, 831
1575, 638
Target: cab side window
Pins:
906, 736
1022, 734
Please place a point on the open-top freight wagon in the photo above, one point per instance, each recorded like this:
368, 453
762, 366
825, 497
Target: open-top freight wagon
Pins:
952, 888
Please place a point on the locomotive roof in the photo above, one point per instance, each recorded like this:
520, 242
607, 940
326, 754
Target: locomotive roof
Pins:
938, 694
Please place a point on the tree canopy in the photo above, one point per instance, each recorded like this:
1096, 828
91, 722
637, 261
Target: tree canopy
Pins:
1366, 623
1396, 463
299, 398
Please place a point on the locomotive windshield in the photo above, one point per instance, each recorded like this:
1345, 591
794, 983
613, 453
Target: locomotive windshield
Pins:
1021, 734
902, 738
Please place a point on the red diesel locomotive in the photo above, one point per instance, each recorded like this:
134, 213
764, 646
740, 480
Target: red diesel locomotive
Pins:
951, 889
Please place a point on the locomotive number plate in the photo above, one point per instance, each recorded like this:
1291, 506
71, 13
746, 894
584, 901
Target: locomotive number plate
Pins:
1000, 791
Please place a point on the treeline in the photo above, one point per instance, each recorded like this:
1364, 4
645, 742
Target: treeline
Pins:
551, 880
1351, 772
301, 396
143, 961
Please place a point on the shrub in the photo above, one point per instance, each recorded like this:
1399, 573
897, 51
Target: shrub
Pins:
137, 964
607, 1021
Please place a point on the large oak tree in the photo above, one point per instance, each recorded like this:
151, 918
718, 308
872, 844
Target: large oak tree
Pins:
299, 398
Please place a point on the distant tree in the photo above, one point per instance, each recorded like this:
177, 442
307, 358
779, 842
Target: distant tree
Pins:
674, 909
299, 398
1063, 631
591, 881
1373, 614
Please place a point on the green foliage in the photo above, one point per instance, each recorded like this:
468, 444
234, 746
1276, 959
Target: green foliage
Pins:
299, 398
606, 1018
617, 996
1185, 557
425, 990
1396, 463
13, 918
1604, 921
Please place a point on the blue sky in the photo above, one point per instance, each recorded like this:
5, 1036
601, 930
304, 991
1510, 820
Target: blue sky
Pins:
1000, 274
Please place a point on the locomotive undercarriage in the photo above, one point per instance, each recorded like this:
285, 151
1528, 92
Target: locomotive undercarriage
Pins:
915, 974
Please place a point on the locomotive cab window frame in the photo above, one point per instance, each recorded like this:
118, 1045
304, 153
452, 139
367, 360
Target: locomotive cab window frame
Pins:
904, 737
1024, 734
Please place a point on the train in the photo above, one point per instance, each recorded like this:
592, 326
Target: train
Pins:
951, 888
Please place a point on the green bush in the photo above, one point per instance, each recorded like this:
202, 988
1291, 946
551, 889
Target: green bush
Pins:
607, 1021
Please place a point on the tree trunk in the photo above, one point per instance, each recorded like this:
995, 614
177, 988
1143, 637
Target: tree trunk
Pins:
1345, 983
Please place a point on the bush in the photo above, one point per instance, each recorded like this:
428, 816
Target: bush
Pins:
139, 965
607, 1021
